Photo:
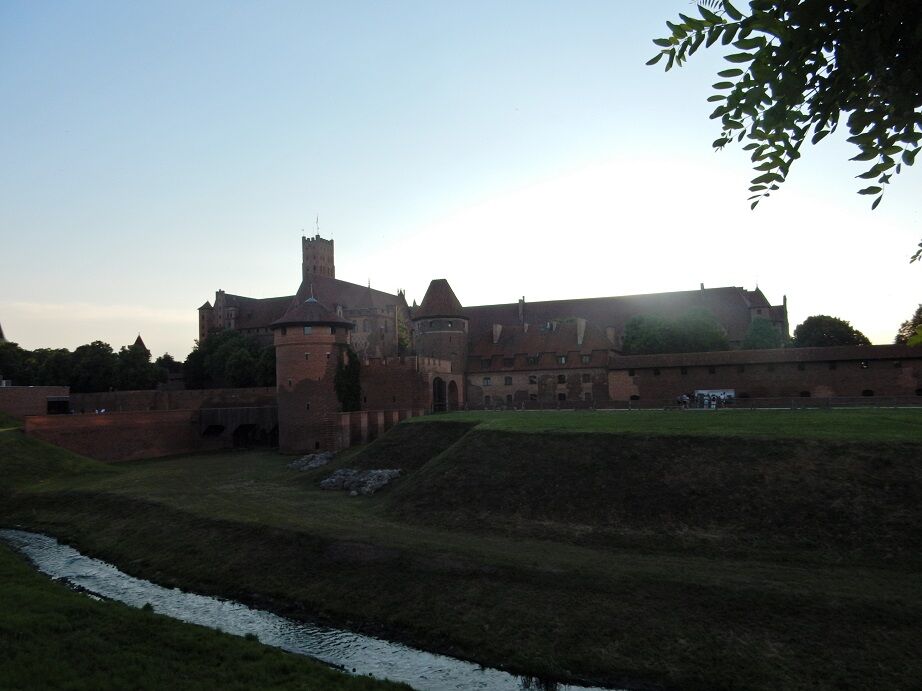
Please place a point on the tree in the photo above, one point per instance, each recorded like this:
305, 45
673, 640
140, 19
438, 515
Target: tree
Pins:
797, 66
93, 368
265, 367
240, 369
134, 371
696, 331
909, 328
207, 365
821, 331
762, 334
347, 381
50, 367
14, 363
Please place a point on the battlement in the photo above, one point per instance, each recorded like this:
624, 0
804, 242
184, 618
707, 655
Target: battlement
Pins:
317, 257
416, 363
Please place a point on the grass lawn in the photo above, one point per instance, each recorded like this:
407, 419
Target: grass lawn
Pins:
683, 561
870, 424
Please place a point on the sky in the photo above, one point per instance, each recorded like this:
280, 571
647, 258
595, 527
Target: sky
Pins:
153, 153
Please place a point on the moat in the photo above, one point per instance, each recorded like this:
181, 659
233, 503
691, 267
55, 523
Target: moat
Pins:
355, 653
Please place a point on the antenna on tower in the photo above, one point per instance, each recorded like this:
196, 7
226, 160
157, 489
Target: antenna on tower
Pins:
317, 223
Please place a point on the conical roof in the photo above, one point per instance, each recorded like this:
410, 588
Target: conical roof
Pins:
440, 301
139, 342
310, 312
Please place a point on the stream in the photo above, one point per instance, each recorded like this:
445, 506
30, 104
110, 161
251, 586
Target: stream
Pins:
352, 652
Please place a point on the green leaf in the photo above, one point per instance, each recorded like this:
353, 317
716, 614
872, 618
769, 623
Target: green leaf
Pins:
663, 42
749, 43
655, 59
819, 136
739, 57
876, 202
713, 35
754, 205
733, 13
729, 34
909, 157
893, 150
716, 97
870, 190
722, 85
864, 156
732, 72
708, 15
720, 143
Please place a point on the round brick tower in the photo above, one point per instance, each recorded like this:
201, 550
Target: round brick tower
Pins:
310, 341
440, 329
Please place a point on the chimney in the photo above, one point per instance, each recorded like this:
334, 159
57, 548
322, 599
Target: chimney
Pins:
497, 332
702, 286
522, 310
580, 330
610, 333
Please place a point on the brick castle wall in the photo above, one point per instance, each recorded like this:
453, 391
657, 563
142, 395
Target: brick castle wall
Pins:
19, 401
187, 399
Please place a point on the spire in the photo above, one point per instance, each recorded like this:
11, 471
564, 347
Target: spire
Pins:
311, 298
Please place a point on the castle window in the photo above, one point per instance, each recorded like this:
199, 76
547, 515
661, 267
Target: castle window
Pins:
328, 356
630, 373
307, 406
587, 396
532, 397
333, 330
485, 364
509, 398
508, 362
307, 356
863, 364
587, 378
712, 370
284, 330
289, 383
758, 311
486, 400
741, 368
449, 325
656, 371
561, 359
561, 397
867, 392
684, 370
508, 381
532, 360
897, 364
832, 365
307, 330
585, 359
487, 381
561, 378
532, 378
432, 324
801, 366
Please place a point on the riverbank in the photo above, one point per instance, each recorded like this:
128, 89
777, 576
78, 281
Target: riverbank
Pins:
682, 586
53, 638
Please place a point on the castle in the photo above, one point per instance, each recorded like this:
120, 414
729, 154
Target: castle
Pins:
442, 355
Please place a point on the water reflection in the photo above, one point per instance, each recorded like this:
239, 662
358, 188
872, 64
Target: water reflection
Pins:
353, 652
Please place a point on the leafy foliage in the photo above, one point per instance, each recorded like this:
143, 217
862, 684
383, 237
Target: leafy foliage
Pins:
762, 334
347, 381
797, 67
229, 359
821, 330
909, 328
697, 331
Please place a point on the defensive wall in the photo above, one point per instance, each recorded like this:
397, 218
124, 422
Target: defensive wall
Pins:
363, 426
836, 372
19, 401
187, 399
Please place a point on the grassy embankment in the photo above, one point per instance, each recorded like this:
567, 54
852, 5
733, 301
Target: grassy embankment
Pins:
52, 637
728, 549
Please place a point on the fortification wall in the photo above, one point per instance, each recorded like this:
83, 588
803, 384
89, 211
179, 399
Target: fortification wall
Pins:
363, 426
125, 436
19, 401
188, 399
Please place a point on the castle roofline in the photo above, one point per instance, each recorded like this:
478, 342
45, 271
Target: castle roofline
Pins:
440, 301
309, 313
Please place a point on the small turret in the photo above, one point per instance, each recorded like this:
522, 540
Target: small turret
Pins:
440, 327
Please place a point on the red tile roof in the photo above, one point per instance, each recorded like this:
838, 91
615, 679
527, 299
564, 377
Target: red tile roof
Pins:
310, 312
773, 355
560, 338
440, 301
729, 305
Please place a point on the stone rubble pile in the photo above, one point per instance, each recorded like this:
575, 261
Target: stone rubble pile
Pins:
311, 461
364, 482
